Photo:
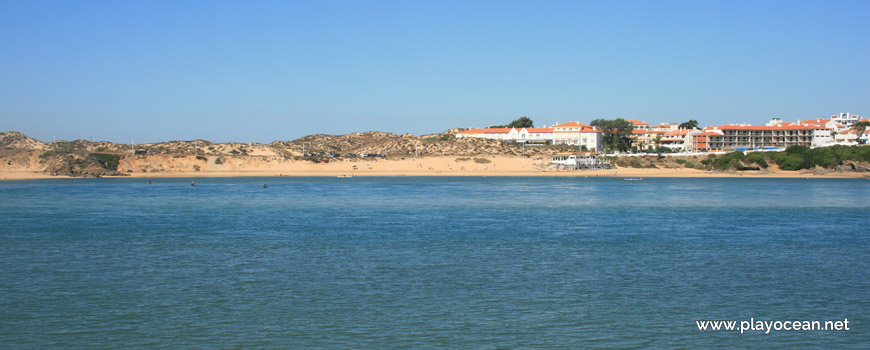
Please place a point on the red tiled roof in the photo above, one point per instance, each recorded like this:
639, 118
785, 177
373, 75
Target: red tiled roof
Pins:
582, 130
679, 132
646, 131
539, 129
637, 122
571, 124
781, 127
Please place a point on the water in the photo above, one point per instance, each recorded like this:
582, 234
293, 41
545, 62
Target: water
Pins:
430, 262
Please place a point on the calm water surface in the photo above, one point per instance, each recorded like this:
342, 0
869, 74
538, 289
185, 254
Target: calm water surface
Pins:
430, 262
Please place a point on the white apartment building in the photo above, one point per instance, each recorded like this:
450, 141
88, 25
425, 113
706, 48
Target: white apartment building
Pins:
847, 119
578, 134
573, 133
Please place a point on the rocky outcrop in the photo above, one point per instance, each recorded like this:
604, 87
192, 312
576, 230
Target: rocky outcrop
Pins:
76, 165
853, 166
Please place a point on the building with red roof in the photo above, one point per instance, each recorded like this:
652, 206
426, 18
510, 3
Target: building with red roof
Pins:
776, 136
637, 124
578, 134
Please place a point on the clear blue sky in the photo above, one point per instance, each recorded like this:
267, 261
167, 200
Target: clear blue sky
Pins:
258, 71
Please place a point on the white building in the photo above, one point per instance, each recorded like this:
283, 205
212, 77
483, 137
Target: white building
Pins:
639, 125
847, 119
573, 133
535, 134
578, 134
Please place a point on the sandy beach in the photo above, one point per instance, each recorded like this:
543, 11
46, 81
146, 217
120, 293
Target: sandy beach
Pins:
424, 166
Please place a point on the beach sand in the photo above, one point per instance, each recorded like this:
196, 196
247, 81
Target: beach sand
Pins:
424, 166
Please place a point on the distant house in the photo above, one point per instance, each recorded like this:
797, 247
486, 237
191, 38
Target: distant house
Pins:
645, 139
572, 133
639, 125
578, 134
847, 119
679, 140
534, 136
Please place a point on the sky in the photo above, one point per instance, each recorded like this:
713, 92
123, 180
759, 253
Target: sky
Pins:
260, 71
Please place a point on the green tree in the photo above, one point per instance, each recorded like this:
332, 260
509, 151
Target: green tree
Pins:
615, 133
691, 124
658, 142
521, 122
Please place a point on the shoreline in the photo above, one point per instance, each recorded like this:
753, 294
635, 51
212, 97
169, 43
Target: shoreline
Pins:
612, 173
169, 167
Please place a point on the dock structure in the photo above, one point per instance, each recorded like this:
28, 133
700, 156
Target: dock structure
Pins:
581, 161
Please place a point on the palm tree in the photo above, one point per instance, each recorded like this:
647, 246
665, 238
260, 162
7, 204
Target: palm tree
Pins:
658, 142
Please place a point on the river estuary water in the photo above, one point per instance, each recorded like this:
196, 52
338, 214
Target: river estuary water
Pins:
431, 262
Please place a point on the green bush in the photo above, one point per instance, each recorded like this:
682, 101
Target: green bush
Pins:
636, 164
801, 157
688, 164
791, 163
756, 158
728, 161
202, 158
218, 160
482, 160
109, 161
437, 139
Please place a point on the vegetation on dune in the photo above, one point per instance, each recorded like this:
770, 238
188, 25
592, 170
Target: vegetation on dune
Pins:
801, 157
438, 138
793, 158
109, 161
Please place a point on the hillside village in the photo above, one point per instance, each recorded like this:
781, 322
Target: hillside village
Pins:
839, 129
